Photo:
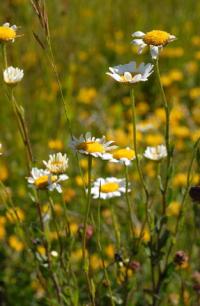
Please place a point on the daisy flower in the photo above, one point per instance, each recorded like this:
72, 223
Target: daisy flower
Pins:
156, 153
57, 163
43, 179
130, 73
7, 32
123, 156
155, 39
13, 75
108, 188
89, 145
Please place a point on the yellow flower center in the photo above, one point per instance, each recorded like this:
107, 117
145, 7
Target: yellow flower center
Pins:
91, 147
7, 34
44, 180
156, 38
124, 153
57, 163
109, 187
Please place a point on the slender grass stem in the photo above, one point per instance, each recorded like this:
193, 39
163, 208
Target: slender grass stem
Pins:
167, 138
87, 212
128, 201
115, 226
101, 252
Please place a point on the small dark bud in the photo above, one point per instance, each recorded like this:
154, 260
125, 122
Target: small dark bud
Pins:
134, 265
89, 231
118, 257
195, 193
36, 241
181, 259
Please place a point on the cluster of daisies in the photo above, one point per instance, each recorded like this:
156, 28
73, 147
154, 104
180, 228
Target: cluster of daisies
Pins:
131, 73
104, 188
54, 173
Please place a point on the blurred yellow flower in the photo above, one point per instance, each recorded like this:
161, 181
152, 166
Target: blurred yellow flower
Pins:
3, 172
110, 250
173, 209
95, 262
15, 214
87, 95
55, 144
15, 243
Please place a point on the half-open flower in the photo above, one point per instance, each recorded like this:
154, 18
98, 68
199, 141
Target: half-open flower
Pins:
108, 188
7, 32
130, 73
57, 163
155, 39
12, 75
89, 145
123, 156
43, 179
156, 153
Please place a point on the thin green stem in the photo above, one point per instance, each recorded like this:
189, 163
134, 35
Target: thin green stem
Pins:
115, 226
167, 137
4, 55
135, 146
101, 252
85, 258
128, 201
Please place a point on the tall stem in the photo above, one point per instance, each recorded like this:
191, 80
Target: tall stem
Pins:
128, 201
85, 258
135, 145
167, 138
101, 253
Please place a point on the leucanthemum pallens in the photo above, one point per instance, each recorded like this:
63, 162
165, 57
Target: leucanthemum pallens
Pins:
89, 145
43, 179
155, 39
57, 163
7, 32
108, 188
12, 75
130, 73
156, 153
123, 156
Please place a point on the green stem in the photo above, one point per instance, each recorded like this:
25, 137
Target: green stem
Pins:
139, 170
135, 146
48, 255
85, 258
128, 201
115, 226
4, 55
167, 138
101, 252
22, 129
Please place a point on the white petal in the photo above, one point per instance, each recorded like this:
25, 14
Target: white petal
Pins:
138, 34
154, 52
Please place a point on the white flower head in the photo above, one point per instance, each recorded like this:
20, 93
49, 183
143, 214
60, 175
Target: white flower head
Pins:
8, 32
155, 39
156, 153
57, 163
89, 145
108, 188
0, 149
130, 73
123, 156
12, 75
43, 179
